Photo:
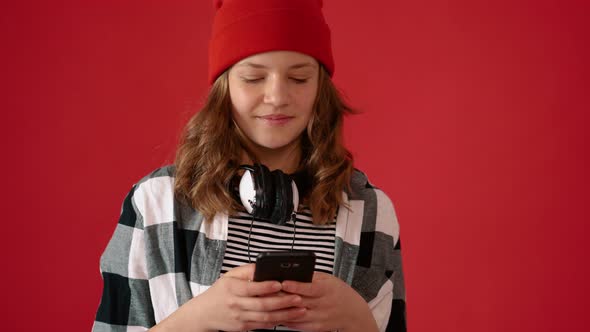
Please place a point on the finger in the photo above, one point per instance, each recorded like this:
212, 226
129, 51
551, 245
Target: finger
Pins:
312, 320
270, 303
279, 293
274, 317
309, 289
311, 302
244, 272
245, 288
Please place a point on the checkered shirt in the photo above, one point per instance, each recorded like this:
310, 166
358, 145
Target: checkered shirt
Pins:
163, 253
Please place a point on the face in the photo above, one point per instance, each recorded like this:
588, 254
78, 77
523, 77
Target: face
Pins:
272, 97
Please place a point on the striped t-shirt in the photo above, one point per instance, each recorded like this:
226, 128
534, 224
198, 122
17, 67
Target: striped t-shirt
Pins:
264, 236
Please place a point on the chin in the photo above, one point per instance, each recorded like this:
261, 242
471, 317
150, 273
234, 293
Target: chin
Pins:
273, 144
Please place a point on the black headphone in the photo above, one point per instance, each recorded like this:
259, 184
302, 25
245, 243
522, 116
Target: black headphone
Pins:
271, 196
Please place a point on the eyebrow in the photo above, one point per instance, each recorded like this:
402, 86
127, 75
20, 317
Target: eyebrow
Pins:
257, 65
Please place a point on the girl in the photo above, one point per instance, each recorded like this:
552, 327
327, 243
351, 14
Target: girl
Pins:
180, 258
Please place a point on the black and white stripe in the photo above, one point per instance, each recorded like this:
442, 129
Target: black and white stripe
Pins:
264, 236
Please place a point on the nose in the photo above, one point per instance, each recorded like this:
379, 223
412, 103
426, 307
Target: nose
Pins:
276, 91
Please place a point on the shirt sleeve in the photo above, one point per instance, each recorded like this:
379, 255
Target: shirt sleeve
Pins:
126, 303
397, 317
389, 305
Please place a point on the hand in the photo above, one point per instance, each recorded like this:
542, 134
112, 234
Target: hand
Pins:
234, 303
331, 305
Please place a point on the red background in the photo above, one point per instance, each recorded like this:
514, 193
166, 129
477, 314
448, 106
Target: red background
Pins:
475, 123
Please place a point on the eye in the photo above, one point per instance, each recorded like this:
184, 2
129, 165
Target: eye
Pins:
299, 80
252, 80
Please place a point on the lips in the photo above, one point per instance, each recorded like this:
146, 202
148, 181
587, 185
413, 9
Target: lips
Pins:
276, 119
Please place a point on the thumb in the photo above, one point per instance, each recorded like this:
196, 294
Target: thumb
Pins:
244, 272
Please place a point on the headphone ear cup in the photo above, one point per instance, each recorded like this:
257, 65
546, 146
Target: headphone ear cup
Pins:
295, 195
283, 198
288, 196
266, 192
247, 192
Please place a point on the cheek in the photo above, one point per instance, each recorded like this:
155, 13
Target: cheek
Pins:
238, 102
242, 101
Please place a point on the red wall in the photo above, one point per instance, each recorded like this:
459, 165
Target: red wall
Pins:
475, 123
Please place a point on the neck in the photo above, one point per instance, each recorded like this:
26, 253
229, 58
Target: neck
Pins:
285, 158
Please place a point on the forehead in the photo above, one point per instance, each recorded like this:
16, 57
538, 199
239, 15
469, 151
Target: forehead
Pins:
278, 60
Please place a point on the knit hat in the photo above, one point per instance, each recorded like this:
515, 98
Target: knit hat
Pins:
242, 28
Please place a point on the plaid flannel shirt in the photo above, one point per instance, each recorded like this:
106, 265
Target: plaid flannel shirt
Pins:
163, 253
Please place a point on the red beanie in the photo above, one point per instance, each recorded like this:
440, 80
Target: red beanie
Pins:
242, 28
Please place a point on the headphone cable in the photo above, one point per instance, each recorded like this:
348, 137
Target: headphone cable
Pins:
249, 235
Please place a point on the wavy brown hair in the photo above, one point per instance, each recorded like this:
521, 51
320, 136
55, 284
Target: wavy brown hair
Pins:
211, 147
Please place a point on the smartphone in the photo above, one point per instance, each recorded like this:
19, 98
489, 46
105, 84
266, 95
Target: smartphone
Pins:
285, 265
